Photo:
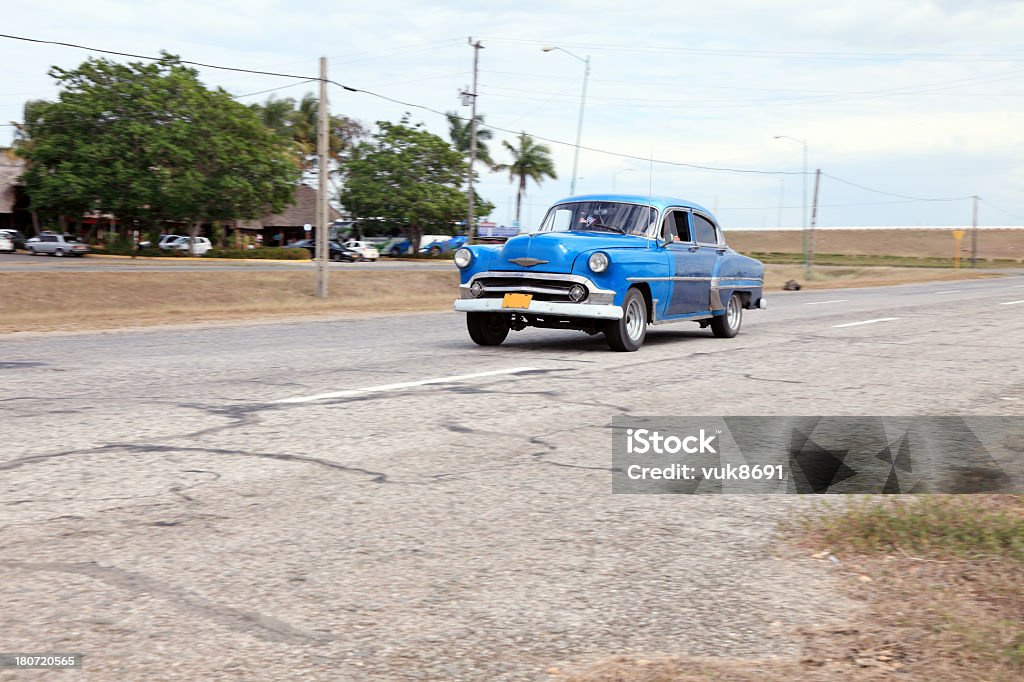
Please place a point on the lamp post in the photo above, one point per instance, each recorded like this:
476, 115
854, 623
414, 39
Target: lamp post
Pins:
807, 263
615, 175
583, 101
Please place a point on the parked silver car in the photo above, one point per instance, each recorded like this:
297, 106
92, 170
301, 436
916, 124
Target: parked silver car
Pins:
56, 245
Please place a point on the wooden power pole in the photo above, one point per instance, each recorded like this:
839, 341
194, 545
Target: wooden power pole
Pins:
470, 219
322, 214
814, 221
974, 234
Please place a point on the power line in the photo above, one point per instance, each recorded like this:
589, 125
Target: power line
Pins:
1002, 210
891, 194
155, 59
783, 54
572, 144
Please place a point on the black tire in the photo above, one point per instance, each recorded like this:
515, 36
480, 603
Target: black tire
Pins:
58, 252
33, 252
435, 250
728, 325
336, 257
488, 329
627, 334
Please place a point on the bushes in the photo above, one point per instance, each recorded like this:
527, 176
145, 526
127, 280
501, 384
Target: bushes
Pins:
265, 253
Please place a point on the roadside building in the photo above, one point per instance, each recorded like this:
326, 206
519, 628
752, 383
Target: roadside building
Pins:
14, 213
289, 225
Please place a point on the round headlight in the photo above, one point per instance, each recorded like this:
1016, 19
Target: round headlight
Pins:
598, 262
577, 293
476, 289
463, 257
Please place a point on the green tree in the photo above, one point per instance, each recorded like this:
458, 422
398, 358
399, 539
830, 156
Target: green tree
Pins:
148, 142
529, 161
460, 134
409, 179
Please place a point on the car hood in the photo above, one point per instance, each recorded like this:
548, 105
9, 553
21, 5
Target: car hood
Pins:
556, 251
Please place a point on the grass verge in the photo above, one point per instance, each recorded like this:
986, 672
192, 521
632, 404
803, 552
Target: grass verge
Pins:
112, 299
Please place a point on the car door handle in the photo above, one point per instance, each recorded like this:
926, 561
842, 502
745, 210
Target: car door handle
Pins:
721, 251
694, 249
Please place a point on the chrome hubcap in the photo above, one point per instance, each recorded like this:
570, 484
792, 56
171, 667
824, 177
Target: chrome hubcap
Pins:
734, 313
634, 319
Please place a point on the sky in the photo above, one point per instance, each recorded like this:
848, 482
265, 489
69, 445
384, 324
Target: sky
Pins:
914, 99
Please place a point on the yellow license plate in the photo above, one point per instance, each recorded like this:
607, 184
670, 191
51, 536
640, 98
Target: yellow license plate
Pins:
517, 301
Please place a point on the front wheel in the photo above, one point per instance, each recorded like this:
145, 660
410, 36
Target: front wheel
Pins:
488, 329
728, 325
627, 334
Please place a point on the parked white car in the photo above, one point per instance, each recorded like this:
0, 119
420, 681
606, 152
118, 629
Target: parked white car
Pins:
168, 238
6, 243
366, 250
56, 245
199, 248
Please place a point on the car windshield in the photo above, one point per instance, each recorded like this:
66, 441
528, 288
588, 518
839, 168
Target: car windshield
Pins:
591, 216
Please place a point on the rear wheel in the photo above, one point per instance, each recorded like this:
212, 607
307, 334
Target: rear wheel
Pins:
59, 253
336, 257
628, 333
728, 325
488, 329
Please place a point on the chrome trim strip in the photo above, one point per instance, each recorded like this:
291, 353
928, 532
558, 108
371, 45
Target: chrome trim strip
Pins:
694, 317
669, 279
494, 305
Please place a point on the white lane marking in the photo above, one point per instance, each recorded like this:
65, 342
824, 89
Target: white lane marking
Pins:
1011, 302
1017, 286
951, 291
854, 324
838, 300
404, 384
1005, 398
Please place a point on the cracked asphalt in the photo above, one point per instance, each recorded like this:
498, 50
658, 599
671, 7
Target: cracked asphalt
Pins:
165, 515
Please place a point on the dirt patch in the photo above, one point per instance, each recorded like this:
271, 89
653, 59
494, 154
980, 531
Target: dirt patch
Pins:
942, 583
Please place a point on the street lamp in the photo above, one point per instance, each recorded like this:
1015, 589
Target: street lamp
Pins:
583, 100
615, 175
807, 262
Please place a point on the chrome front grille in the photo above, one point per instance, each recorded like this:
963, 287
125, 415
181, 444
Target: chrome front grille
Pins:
542, 288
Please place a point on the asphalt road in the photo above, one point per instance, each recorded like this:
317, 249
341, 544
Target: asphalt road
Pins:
448, 513
23, 262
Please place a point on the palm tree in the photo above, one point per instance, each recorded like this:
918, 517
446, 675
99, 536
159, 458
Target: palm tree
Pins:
529, 160
460, 134
276, 114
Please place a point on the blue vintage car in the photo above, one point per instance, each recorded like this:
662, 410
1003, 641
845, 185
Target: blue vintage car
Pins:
611, 263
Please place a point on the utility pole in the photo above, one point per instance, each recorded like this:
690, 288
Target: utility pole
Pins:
322, 142
814, 221
470, 220
974, 234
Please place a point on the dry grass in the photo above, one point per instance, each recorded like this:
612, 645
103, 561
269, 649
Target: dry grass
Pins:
841, 277
106, 300
915, 243
45, 301
941, 580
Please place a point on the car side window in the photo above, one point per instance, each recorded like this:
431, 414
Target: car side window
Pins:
676, 227
705, 230
49, 238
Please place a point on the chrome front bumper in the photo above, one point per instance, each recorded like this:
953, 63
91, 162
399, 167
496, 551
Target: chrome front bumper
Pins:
494, 305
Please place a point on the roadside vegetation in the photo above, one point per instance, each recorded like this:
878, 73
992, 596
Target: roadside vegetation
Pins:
940, 580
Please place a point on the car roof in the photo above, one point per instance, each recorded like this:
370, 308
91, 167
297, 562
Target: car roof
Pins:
658, 201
